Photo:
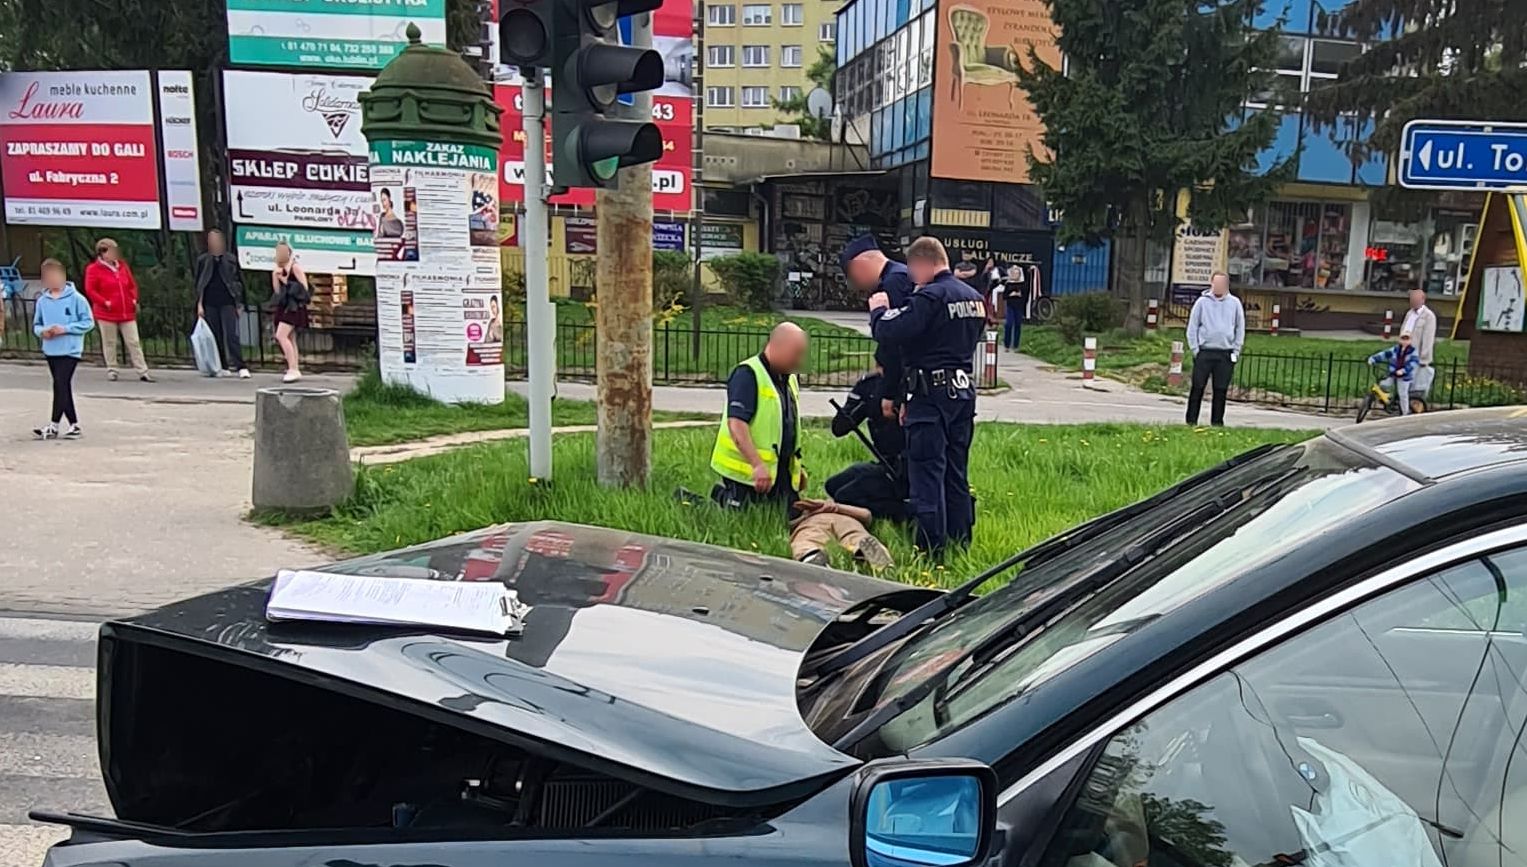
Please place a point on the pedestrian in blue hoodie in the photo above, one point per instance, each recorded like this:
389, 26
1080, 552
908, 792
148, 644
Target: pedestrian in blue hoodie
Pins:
1216, 332
62, 320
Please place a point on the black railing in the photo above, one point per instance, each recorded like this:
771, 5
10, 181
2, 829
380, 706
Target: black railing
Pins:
1331, 384
165, 334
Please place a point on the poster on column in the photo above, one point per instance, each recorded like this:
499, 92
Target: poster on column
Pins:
438, 273
79, 149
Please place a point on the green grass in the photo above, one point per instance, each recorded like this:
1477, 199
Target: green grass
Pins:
1030, 482
837, 354
378, 414
1292, 366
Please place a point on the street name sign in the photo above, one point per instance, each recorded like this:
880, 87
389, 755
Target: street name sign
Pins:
1463, 155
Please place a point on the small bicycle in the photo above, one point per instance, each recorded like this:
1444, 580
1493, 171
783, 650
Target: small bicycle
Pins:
1388, 403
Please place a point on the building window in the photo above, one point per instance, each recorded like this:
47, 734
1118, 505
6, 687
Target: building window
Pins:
720, 56
1327, 56
790, 56
755, 97
755, 55
792, 14
1293, 245
719, 97
724, 15
827, 31
788, 92
757, 16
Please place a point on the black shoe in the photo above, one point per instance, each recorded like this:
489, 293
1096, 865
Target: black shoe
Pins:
46, 432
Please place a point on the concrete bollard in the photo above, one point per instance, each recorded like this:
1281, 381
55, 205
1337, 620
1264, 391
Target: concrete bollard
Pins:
1152, 314
1174, 372
1089, 359
1276, 310
301, 453
1388, 324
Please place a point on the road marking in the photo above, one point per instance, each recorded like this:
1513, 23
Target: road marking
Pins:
51, 630
25, 845
47, 681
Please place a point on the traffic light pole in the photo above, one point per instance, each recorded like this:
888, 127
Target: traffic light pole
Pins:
623, 324
540, 315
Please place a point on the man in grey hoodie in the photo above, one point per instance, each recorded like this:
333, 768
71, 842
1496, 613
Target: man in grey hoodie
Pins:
1216, 331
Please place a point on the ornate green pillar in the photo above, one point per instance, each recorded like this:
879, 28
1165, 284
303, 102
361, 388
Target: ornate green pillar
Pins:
433, 130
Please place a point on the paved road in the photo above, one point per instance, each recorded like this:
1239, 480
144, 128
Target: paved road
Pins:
147, 508
47, 731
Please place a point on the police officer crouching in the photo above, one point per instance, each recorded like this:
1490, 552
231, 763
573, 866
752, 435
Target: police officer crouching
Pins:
936, 331
758, 448
879, 485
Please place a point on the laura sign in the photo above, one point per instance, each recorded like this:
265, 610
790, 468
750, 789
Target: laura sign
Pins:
79, 149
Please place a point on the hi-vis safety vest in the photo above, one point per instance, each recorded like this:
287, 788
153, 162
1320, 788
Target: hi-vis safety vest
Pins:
766, 428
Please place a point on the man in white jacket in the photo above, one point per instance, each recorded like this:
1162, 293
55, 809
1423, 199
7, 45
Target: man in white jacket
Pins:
1216, 332
1421, 324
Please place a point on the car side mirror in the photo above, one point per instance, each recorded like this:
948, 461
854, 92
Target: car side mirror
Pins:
929, 813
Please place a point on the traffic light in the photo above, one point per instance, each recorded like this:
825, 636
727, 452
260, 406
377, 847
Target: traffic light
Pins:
590, 70
525, 32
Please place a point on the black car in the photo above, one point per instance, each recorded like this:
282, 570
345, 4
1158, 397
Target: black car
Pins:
1314, 654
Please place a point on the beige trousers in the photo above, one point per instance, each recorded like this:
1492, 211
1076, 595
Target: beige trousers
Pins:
128, 332
816, 532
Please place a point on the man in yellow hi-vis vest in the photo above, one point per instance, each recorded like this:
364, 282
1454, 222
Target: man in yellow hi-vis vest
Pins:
758, 448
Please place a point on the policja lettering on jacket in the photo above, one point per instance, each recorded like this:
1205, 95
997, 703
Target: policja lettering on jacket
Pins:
936, 332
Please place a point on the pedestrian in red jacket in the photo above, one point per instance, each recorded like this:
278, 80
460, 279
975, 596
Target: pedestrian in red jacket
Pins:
113, 295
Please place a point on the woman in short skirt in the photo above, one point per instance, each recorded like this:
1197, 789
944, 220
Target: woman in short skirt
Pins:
289, 285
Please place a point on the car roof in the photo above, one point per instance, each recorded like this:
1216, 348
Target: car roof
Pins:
1470, 472
1443, 444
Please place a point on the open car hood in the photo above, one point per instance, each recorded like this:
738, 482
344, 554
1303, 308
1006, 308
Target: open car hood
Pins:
670, 663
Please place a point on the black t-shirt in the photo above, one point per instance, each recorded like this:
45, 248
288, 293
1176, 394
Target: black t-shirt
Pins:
742, 404
863, 405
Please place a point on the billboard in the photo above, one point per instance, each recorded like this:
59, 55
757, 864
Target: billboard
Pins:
334, 34
177, 142
297, 158
983, 124
79, 149
671, 174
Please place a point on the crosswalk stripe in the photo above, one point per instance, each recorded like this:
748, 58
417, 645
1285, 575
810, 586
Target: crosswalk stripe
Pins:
25, 845
47, 681
53, 630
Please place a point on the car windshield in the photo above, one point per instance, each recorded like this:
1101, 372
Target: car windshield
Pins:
1276, 503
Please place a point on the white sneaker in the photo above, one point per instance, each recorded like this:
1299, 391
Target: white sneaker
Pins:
243, 373
291, 376
225, 374
111, 376
46, 432
73, 433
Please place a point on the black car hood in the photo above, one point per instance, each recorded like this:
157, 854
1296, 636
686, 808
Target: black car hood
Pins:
672, 660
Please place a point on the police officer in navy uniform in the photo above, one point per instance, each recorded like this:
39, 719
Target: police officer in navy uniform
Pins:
936, 331
870, 270
879, 487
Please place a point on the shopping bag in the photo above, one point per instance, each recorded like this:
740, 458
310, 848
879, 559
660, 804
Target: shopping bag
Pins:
204, 347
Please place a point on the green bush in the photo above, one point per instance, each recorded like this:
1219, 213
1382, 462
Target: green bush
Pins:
166, 301
1077, 316
750, 279
672, 276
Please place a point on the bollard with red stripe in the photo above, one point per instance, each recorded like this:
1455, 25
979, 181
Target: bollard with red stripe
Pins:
989, 373
1089, 359
1152, 313
1388, 323
1174, 373
1276, 309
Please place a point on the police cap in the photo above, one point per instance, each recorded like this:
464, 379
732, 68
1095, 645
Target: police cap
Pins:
861, 244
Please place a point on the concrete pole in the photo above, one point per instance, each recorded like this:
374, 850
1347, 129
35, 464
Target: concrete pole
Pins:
540, 315
623, 322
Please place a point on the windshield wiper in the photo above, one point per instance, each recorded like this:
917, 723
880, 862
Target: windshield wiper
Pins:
1032, 621
1049, 549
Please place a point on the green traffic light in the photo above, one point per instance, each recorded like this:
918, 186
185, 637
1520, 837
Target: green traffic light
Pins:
605, 169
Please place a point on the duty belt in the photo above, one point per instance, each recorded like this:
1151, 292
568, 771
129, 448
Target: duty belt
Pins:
922, 382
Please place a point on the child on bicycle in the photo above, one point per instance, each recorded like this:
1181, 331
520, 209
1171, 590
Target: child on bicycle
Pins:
1400, 361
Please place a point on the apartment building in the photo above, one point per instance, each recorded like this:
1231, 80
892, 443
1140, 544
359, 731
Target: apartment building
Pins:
757, 53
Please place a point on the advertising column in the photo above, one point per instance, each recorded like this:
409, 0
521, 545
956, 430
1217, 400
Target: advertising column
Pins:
438, 279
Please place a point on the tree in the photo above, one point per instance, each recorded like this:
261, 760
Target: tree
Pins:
1150, 104
820, 74
1442, 59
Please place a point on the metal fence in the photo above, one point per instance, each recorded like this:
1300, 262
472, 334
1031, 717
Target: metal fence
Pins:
165, 333
1331, 384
